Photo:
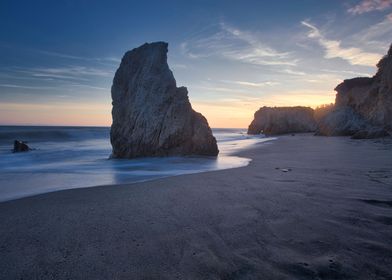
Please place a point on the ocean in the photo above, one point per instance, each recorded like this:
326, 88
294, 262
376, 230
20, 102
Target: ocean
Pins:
75, 157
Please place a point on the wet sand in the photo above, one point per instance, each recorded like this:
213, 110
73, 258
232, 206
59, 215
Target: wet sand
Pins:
329, 216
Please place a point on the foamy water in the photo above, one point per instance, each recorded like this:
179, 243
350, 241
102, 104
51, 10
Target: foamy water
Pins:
75, 157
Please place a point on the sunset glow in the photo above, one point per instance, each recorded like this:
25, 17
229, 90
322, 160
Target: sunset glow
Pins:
231, 65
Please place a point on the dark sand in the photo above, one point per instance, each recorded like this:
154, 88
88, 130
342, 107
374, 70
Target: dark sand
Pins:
330, 217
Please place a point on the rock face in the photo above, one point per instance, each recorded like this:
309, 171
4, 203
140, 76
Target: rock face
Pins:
363, 106
151, 115
282, 120
20, 146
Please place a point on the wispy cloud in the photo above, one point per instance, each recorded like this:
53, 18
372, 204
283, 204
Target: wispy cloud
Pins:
103, 60
53, 88
352, 73
293, 72
26, 87
334, 49
74, 71
108, 60
217, 89
90, 87
366, 6
70, 79
377, 35
238, 45
252, 84
80, 73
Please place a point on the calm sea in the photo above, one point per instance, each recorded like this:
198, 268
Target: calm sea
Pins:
75, 157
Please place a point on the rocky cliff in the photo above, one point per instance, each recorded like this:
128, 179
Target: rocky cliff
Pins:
363, 106
282, 120
151, 115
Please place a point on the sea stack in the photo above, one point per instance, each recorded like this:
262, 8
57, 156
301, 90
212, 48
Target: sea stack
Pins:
363, 106
151, 115
282, 120
20, 146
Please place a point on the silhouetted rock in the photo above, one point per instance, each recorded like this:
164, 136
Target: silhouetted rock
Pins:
151, 115
363, 106
282, 120
20, 146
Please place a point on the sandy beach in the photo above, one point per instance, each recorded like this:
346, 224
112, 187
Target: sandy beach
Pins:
328, 217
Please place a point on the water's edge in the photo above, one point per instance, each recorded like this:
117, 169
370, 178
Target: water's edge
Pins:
78, 157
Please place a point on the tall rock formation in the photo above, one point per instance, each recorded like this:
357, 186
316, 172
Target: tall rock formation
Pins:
282, 120
363, 106
151, 115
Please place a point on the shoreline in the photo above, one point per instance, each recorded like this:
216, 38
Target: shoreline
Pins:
67, 159
328, 217
224, 157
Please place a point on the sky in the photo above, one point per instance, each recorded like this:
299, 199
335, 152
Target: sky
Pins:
58, 58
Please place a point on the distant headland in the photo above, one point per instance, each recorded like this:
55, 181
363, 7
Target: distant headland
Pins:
362, 109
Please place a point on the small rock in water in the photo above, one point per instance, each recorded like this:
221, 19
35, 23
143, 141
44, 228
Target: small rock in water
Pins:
20, 146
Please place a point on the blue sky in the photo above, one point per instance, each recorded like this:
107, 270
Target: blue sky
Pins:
58, 58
